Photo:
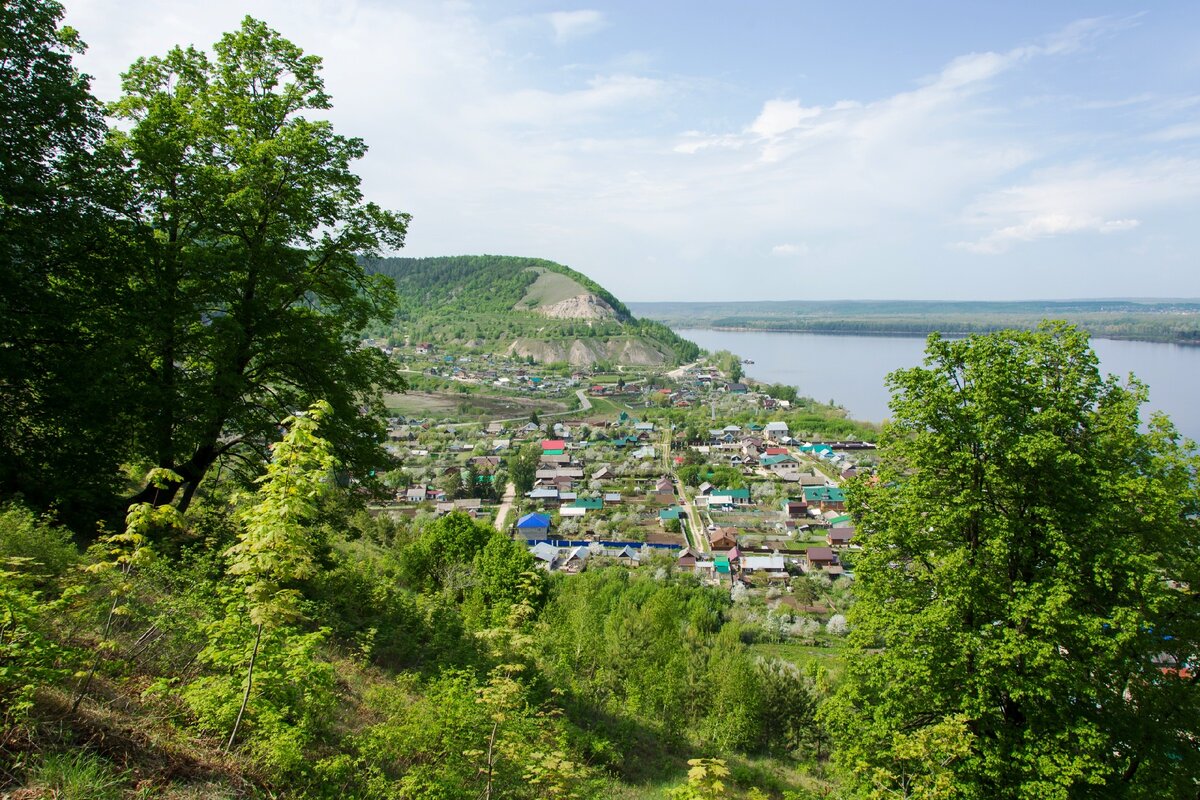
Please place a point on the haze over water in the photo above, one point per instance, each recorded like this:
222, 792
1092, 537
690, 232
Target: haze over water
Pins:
850, 370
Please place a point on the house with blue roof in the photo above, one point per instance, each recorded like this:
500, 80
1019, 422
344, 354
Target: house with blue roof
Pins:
533, 526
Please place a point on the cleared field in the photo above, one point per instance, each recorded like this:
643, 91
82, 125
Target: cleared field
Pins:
467, 406
548, 289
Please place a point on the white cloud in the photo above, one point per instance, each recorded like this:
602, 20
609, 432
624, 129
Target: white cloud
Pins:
1080, 198
1042, 226
790, 250
569, 25
780, 116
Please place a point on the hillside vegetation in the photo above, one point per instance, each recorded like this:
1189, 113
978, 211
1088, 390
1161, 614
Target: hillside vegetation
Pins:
521, 306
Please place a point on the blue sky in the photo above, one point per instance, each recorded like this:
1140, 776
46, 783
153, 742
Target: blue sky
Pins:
798, 150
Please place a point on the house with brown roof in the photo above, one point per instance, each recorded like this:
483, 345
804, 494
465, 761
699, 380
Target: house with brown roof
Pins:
820, 558
722, 539
839, 537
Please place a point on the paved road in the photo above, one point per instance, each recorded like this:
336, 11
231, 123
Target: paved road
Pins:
506, 504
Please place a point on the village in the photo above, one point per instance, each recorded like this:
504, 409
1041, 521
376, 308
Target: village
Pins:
688, 469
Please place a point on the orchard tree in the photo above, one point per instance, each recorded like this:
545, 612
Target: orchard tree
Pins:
1024, 625
248, 221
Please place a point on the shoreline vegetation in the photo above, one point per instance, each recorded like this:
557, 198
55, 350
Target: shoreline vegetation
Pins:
1164, 321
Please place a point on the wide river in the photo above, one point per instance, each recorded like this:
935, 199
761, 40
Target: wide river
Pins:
849, 370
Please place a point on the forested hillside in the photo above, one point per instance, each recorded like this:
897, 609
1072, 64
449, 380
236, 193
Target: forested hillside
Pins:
481, 302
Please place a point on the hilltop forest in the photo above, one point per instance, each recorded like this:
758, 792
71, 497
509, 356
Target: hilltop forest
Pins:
485, 303
195, 602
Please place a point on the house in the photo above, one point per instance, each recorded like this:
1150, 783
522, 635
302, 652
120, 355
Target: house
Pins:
553, 447
627, 555
664, 490
605, 473
722, 539
778, 463
777, 431
575, 561
546, 554
773, 565
415, 494
795, 509
839, 537
820, 558
644, 452
668, 514
737, 388
571, 511
729, 497
612, 498
825, 497
686, 559
705, 488
644, 427
533, 526
495, 428
588, 503
543, 494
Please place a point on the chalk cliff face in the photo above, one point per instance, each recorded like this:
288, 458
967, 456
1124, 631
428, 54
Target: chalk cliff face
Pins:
584, 306
585, 352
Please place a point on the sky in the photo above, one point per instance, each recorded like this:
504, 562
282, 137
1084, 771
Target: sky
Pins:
762, 150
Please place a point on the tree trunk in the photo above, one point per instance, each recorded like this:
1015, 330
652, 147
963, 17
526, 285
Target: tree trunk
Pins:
245, 695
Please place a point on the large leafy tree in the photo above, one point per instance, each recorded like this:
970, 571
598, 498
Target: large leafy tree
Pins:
61, 346
1025, 626
249, 221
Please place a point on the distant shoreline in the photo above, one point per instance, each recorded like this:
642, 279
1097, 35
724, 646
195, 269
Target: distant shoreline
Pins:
909, 334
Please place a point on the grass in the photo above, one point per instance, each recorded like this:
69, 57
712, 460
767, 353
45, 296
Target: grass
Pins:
77, 775
830, 657
548, 289
472, 406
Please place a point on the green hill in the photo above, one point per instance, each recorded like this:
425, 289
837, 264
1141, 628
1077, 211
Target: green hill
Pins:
528, 307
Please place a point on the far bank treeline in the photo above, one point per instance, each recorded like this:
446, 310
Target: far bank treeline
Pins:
1150, 321
478, 298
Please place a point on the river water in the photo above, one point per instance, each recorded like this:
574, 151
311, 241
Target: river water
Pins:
849, 370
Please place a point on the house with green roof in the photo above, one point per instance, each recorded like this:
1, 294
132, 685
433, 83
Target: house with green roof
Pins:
825, 497
729, 497
589, 503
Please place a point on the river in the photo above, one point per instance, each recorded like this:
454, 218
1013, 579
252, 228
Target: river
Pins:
849, 370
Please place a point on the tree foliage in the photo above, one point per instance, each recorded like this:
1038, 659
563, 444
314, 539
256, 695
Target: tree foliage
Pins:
63, 398
248, 220
1024, 624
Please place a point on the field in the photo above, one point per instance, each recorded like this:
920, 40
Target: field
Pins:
550, 288
468, 406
